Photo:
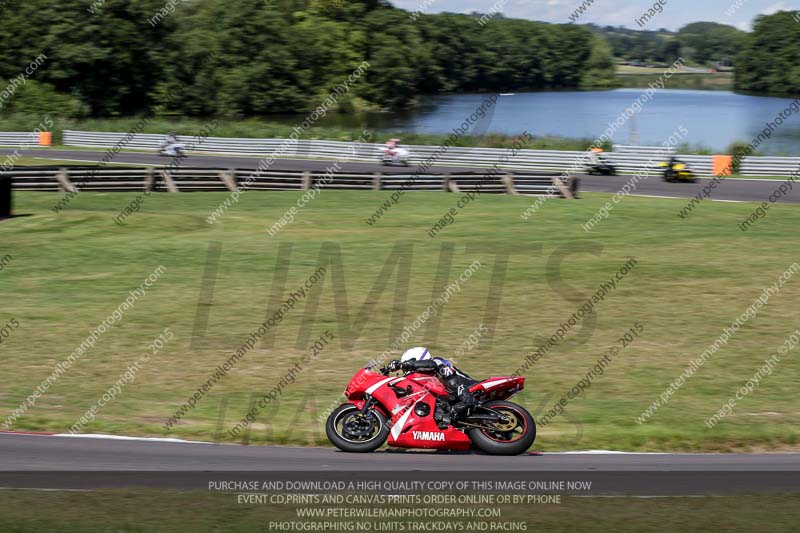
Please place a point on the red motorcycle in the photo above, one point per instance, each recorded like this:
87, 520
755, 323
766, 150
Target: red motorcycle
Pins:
414, 411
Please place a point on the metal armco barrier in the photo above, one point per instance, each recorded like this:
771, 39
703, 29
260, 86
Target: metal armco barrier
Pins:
628, 159
770, 166
22, 139
189, 179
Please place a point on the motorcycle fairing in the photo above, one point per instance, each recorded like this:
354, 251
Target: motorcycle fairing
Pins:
498, 388
409, 430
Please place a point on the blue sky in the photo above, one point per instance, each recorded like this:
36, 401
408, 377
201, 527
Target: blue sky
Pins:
676, 13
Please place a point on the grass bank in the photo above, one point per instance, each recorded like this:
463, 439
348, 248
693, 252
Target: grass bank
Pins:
69, 271
716, 81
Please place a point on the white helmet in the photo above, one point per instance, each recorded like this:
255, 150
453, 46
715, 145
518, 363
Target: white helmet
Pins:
420, 354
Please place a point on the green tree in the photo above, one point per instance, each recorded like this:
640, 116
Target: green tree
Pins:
600, 69
109, 59
768, 62
708, 42
278, 56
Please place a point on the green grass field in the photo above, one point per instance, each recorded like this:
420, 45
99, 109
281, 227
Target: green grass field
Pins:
631, 69
67, 272
634, 77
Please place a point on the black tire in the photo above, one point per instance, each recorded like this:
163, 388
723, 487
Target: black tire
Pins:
341, 414
518, 445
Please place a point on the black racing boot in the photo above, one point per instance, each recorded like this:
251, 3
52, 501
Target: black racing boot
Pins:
465, 402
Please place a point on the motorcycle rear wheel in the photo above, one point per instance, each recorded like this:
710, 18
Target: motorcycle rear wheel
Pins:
513, 438
346, 420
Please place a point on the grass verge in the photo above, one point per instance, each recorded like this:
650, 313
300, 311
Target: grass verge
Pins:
717, 81
67, 272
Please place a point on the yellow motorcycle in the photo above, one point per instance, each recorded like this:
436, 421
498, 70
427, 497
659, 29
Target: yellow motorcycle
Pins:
676, 170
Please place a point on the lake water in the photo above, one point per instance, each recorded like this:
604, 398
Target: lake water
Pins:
714, 119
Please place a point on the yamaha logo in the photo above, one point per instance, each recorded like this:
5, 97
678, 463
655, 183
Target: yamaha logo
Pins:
428, 435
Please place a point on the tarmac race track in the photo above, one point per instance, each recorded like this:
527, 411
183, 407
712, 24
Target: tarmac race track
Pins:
745, 190
732, 190
45, 461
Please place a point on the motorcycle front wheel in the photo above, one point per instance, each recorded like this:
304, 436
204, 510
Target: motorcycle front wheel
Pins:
351, 431
511, 438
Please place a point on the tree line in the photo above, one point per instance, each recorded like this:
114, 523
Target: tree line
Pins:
256, 58
699, 42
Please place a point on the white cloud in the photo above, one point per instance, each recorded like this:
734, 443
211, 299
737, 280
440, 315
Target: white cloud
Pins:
774, 8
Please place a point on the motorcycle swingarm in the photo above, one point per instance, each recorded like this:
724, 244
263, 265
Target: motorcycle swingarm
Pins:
491, 417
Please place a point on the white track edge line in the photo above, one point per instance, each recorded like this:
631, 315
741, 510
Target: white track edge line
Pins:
124, 437
183, 441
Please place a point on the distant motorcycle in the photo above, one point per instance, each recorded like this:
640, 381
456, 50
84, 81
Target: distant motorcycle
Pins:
170, 147
677, 170
602, 167
394, 154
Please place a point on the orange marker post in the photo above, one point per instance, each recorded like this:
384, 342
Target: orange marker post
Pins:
45, 138
722, 164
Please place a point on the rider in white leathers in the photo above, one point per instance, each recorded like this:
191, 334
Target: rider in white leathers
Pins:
456, 382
